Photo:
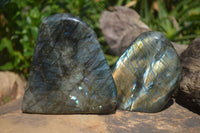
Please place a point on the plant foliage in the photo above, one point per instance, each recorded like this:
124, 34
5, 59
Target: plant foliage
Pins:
178, 19
20, 20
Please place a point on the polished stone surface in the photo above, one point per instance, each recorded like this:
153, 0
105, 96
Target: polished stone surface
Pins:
69, 73
147, 73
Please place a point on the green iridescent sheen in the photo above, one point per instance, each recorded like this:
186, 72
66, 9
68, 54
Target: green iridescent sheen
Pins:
69, 73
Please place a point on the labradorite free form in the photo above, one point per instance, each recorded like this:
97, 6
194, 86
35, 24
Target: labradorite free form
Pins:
69, 73
147, 73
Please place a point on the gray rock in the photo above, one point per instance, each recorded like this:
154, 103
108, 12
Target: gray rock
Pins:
120, 27
188, 94
147, 74
69, 73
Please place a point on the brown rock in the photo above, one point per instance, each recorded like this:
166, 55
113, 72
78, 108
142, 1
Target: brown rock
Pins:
12, 86
121, 26
174, 119
189, 91
118, 27
179, 47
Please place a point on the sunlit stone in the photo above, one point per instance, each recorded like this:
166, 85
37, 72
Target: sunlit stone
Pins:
147, 73
69, 73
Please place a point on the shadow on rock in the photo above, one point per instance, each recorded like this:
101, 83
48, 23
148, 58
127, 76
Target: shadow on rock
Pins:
169, 103
194, 109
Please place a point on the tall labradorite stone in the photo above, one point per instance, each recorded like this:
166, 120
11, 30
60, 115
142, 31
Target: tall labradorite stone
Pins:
147, 73
69, 73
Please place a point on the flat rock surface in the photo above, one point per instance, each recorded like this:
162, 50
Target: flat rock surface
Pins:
173, 119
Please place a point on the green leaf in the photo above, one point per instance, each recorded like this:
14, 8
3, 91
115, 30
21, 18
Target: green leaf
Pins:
34, 31
7, 66
111, 59
6, 43
35, 13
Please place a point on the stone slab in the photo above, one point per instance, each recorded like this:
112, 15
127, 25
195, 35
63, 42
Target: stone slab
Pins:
174, 119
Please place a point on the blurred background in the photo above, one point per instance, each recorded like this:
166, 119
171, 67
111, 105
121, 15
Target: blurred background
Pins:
20, 20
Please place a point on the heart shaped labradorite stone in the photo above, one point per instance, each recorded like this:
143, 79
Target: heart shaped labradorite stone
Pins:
69, 73
147, 73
